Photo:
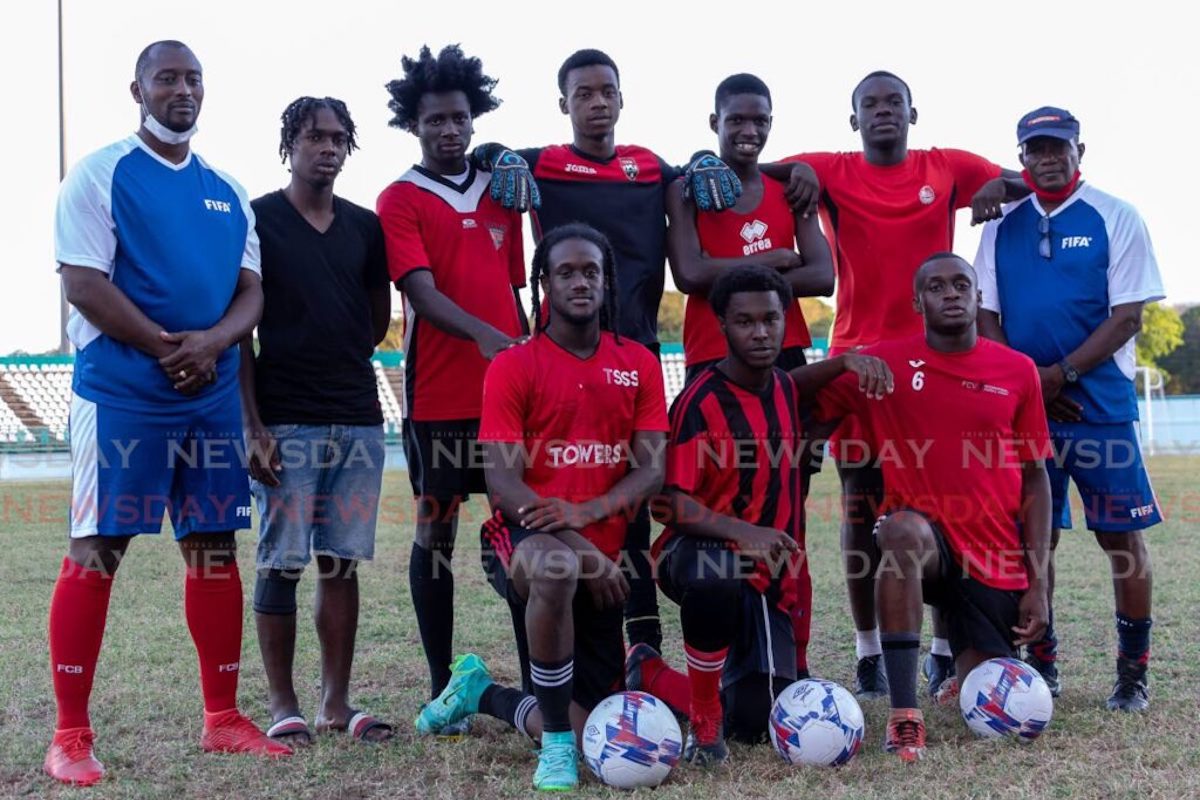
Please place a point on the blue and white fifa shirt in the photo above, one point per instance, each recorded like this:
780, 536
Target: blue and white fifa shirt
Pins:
1100, 257
173, 238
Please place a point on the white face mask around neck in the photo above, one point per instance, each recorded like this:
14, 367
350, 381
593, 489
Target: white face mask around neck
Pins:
162, 132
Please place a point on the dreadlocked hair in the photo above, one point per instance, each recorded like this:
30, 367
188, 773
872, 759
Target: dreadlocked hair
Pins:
305, 108
451, 71
609, 313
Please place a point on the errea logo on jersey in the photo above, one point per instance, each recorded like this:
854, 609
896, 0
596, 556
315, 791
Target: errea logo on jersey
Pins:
754, 235
1069, 242
218, 205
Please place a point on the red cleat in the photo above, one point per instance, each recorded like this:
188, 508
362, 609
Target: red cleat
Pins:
906, 734
70, 757
231, 732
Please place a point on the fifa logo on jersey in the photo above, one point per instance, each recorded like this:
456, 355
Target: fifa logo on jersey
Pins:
754, 235
218, 205
630, 167
620, 377
243, 511
1141, 511
1069, 242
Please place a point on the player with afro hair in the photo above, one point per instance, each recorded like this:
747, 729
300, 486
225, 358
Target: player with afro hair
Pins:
451, 71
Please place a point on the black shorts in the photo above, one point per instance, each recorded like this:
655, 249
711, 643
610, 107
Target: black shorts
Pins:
978, 616
599, 633
445, 460
749, 654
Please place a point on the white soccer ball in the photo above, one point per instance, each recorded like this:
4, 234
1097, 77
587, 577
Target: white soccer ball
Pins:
816, 722
1006, 697
631, 739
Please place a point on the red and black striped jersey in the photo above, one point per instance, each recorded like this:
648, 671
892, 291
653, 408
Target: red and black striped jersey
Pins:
624, 198
738, 452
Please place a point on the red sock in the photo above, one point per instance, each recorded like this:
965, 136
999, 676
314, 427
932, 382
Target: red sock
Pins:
704, 676
212, 601
78, 610
667, 684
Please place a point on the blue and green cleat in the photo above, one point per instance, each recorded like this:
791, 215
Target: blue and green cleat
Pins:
558, 763
469, 676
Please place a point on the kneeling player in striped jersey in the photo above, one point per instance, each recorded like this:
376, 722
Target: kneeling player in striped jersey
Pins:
732, 554
574, 423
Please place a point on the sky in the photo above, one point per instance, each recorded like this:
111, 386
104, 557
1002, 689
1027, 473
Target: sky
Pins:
1130, 76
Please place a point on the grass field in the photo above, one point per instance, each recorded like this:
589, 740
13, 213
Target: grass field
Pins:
146, 705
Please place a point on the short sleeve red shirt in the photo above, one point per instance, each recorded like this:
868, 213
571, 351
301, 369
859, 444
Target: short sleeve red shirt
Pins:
770, 226
473, 248
882, 222
576, 418
951, 440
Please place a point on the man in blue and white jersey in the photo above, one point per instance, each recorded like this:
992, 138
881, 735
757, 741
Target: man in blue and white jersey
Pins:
160, 263
1064, 276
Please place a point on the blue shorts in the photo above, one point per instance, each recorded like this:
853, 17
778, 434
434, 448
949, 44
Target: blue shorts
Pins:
327, 500
1105, 463
129, 468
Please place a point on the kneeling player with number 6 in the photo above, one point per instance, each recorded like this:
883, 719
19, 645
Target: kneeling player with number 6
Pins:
966, 515
574, 423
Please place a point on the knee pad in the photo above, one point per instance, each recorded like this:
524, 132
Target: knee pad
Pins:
275, 591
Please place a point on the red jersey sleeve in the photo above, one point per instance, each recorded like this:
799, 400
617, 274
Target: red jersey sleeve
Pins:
840, 398
1029, 428
505, 392
971, 172
820, 162
516, 254
401, 233
650, 409
688, 432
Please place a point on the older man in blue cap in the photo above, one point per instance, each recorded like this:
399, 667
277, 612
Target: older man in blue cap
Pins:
1065, 274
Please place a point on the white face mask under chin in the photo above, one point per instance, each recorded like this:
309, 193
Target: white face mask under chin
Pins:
163, 133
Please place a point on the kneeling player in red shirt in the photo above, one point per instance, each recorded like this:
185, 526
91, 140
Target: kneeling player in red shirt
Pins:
574, 423
966, 515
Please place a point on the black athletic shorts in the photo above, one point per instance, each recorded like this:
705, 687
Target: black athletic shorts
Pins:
686, 556
599, 634
445, 459
978, 616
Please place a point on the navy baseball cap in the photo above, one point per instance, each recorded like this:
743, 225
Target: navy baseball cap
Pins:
1047, 121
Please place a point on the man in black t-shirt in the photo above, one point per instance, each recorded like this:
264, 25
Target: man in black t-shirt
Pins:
312, 413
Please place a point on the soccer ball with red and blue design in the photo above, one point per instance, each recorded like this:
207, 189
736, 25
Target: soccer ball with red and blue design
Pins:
1006, 697
631, 740
816, 722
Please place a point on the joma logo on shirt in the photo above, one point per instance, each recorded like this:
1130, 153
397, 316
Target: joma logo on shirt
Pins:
580, 168
1075, 241
621, 377
218, 205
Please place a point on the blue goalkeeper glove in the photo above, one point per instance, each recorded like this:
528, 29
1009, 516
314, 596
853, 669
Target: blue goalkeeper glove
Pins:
710, 184
513, 186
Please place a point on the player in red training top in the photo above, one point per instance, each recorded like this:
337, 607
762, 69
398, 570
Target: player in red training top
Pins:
732, 552
574, 423
966, 517
885, 209
457, 256
760, 229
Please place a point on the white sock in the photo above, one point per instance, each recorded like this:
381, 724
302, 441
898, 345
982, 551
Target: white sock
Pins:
940, 647
866, 643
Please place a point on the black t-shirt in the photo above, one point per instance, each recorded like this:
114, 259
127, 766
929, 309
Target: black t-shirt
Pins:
624, 198
316, 337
